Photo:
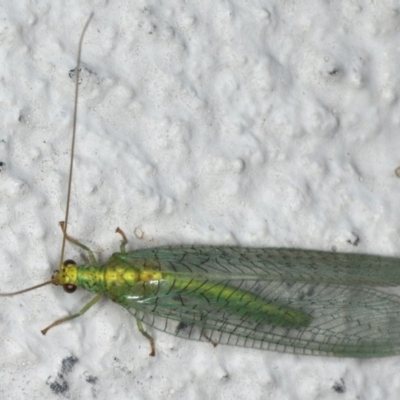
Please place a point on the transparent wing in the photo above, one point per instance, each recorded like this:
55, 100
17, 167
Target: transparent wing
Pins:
347, 316
346, 322
273, 264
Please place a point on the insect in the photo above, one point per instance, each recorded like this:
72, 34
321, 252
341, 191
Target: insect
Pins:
281, 299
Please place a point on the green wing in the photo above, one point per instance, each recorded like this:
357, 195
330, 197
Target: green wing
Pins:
276, 264
347, 316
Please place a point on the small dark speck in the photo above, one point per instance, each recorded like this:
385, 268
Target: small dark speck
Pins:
311, 291
91, 379
72, 72
59, 388
225, 377
181, 327
60, 384
334, 71
354, 241
2, 165
68, 364
339, 387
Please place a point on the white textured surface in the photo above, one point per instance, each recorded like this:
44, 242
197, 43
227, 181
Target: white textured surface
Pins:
259, 123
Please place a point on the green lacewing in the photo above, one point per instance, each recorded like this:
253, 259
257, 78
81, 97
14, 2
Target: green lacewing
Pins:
288, 300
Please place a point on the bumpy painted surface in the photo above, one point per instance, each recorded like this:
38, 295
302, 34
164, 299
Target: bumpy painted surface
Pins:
257, 123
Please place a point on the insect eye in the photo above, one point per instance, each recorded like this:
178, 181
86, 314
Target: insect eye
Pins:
69, 262
69, 288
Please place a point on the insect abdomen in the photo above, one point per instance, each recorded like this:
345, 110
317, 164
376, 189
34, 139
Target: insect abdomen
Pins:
241, 303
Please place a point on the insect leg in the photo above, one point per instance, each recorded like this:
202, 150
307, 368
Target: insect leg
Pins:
124, 240
146, 335
70, 239
205, 336
69, 317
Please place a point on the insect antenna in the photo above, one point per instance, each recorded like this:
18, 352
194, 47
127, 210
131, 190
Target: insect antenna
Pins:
64, 224
27, 289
